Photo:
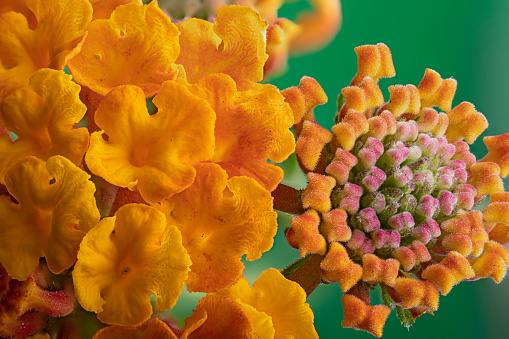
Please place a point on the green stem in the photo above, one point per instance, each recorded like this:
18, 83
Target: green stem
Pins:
306, 272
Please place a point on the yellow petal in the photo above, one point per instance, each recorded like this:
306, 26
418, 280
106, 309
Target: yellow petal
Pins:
221, 220
104, 8
127, 258
153, 154
50, 218
43, 117
57, 38
234, 45
137, 45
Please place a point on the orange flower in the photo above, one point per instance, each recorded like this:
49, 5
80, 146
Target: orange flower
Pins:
234, 45
57, 38
153, 154
104, 8
273, 308
154, 328
43, 117
251, 127
137, 45
221, 219
127, 258
55, 208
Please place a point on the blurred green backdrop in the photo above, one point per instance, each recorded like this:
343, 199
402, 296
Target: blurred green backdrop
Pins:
466, 40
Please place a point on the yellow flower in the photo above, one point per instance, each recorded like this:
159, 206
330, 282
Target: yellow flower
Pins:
137, 45
273, 308
102, 9
55, 208
153, 154
57, 38
221, 219
251, 127
234, 45
127, 258
43, 116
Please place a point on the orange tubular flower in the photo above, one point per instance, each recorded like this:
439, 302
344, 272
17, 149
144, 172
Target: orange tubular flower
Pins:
234, 45
221, 219
43, 117
399, 213
137, 45
127, 258
55, 208
273, 308
134, 149
251, 127
56, 39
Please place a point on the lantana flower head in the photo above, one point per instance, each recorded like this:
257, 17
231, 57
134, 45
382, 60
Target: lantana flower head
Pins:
391, 193
125, 259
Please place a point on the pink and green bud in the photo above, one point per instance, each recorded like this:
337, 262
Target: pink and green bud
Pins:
373, 179
369, 154
367, 220
350, 198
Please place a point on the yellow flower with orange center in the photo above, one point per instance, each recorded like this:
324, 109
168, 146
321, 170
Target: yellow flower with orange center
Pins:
127, 258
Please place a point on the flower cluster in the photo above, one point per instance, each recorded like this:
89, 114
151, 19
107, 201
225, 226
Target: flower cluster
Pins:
392, 190
132, 202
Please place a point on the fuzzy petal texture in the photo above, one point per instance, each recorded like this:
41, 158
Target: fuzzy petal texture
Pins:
251, 127
57, 38
153, 154
50, 219
137, 45
43, 117
234, 45
127, 258
283, 300
221, 219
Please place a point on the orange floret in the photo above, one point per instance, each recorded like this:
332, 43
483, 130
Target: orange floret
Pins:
137, 45
465, 122
465, 233
251, 127
57, 38
498, 152
413, 293
404, 99
221, 220
304, 234
496, 217
374, 61
234, 45
55, 208
310, 143
337, 266
43, 116
376, 270
353, 125
449, 272
485, 178
362, 98
125, 259
335, 225
434, 91
318, 191
134, 149
411, 255
493, 262
364, 317
340, 166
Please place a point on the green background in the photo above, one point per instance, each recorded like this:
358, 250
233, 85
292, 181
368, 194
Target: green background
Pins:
466, 40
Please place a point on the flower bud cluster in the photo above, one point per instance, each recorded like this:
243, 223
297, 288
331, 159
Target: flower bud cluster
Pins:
392, 193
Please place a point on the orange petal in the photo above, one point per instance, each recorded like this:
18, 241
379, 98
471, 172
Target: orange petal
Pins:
465, 122
138, 153
434, 91
449, 272
154, 328
337, 266
376, 270
56, 207
364, 317
362, 97
57, 38
404, 99
498, 152
221, 219
304, 234
485, 178
493, 262
310, 143
104, 8
374, 61
414, 293
127, 258
350, 128
318, 191
137, 45
251, 127
234, 45
43, 118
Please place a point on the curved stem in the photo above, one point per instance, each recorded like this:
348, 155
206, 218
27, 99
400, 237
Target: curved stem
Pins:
306, 272
287, 199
